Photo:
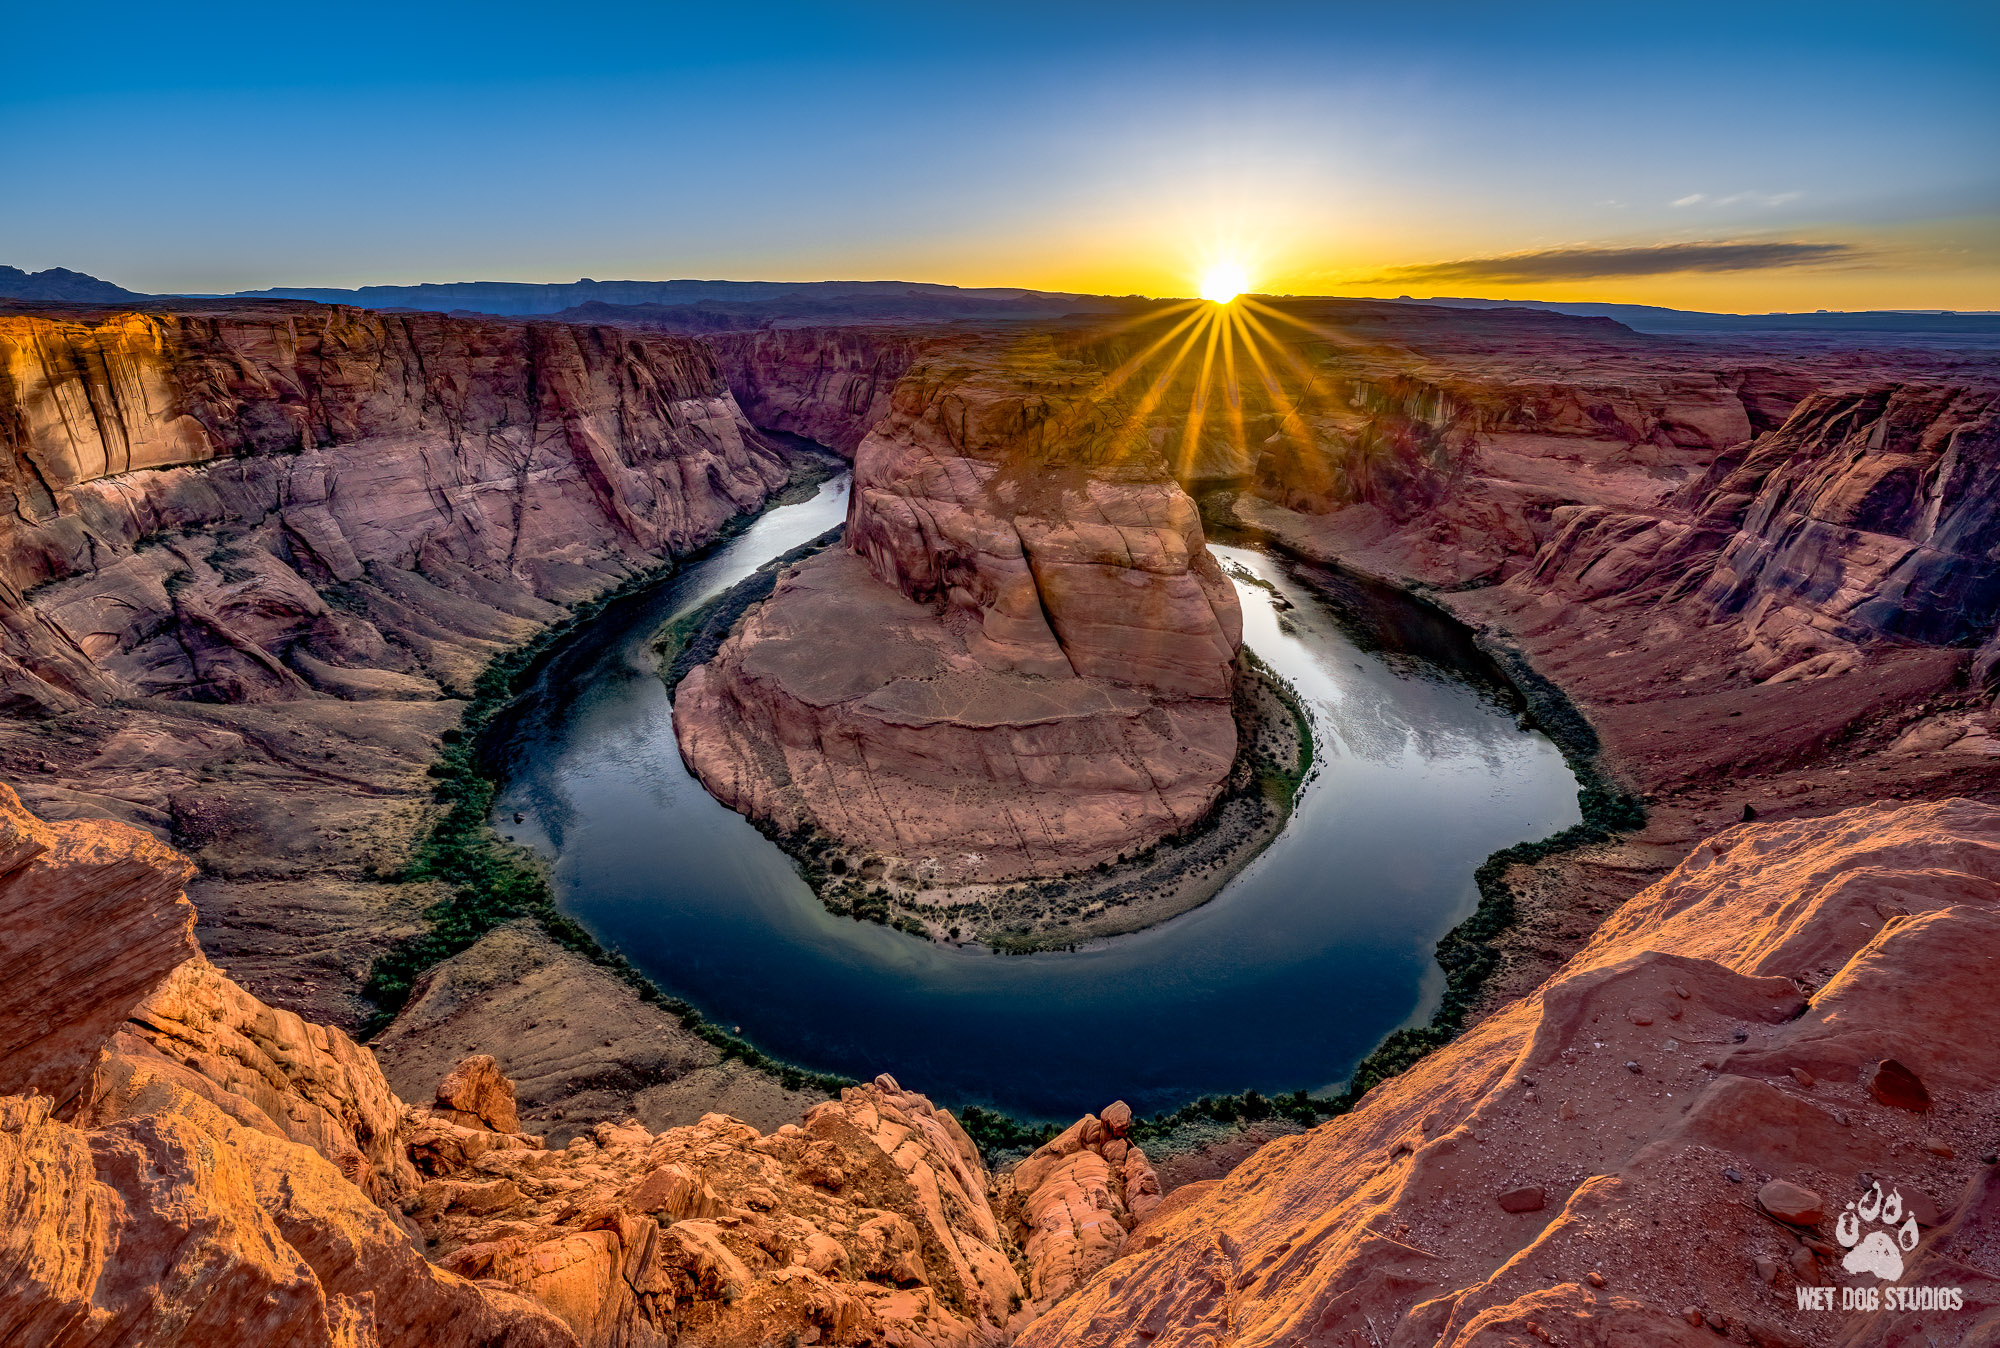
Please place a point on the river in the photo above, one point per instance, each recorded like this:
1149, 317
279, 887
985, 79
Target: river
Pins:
1284, 980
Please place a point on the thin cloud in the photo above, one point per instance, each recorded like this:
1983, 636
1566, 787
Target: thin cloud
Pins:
1583, 264
1765, 199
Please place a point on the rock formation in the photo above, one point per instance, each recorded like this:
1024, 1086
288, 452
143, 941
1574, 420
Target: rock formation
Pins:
1020, 664
210, 1181
250, 554
506, 466
1758, 574
1072, 1202
182, 1164
1581, 1166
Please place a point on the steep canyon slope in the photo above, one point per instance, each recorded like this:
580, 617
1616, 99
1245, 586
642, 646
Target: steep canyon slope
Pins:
252, 559
1765, 577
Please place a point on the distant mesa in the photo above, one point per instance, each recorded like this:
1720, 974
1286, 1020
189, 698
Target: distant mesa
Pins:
60, 285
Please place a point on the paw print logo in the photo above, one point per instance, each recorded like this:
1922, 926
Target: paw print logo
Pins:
1878, 1252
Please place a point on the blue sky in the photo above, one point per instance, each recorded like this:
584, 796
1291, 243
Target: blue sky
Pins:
1841, 156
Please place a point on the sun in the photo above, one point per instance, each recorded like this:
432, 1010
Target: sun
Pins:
1224, 282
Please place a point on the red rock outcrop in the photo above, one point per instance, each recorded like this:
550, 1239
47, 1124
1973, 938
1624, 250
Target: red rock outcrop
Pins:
1580, 1166
218, 1172
1071, 1202
868, 1224
94, 920
206, 1189
1021, 665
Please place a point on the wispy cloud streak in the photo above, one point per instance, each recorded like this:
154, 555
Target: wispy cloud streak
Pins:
1576, 264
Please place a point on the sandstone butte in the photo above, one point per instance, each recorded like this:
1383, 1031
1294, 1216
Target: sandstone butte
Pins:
1020, 663
1763, 577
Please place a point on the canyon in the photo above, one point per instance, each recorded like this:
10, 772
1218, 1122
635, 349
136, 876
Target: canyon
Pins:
256, 557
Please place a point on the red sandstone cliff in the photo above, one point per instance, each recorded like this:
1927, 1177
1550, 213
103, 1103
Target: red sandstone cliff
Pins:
429, 463
1021, 665
325, 521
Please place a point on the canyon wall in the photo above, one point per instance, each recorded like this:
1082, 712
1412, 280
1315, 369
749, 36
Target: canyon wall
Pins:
1021, 662
1868, 517
251, 559
830, 385
181, 489
1758, 578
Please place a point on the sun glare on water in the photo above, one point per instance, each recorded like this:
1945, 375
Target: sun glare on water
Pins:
1223, 283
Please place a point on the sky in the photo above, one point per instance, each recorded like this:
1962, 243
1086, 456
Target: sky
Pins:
1743, 157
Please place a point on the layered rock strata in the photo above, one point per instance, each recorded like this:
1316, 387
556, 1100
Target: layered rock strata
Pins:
1760, 576
1021, 663
252, 555
830, 385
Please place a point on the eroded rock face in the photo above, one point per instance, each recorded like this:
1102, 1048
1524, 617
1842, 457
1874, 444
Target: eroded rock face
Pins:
830, 385
511, 464
1867, 517
1019, 501
327, 521
1020, 666
869, 1223
1870, 516
214, 1173
1392, 1223
91, 920
1072, 1202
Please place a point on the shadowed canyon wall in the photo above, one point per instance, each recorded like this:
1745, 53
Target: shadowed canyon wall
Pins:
510, 465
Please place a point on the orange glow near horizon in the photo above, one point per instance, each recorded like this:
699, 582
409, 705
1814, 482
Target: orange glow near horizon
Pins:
1234, 358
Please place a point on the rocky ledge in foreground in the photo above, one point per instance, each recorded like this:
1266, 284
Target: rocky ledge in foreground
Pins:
181, 1164
1021, 663
1657, 1145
